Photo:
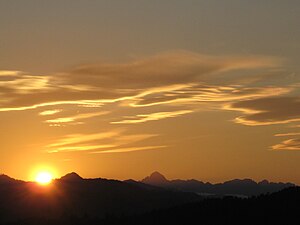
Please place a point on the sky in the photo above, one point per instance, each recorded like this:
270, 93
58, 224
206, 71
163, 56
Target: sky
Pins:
119, 89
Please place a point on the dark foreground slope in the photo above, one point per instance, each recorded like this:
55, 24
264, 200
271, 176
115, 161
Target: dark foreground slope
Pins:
72, 196
281, 208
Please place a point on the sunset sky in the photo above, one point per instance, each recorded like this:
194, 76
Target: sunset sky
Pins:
119, 89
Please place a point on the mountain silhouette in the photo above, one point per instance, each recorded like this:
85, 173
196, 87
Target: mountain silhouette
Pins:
156, 178
4, 179
236, 187
71, 177
74, 195
72, 199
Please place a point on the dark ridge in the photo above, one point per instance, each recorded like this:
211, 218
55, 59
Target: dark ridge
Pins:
155, 178
236, 187
278, 208
73, 195
4, 179
142, 185
111, 202
71, 177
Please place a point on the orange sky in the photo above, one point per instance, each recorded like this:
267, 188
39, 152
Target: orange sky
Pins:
203, 90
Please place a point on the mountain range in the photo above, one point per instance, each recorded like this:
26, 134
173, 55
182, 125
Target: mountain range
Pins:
236, 187
72, 196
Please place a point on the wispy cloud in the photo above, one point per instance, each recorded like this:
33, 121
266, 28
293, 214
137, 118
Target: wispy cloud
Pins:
131, 149
98, 84
74, 139
200, 93
147, 89
268, 111
290, 144
153, 116
102, 142
50, 112
77, 117
287, 134
9, 72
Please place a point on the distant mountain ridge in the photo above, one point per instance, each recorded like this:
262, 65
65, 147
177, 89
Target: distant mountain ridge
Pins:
241, 187
71, 177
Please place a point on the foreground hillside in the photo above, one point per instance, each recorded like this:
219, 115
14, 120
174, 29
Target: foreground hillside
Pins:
281, 208
72, 200
74, 196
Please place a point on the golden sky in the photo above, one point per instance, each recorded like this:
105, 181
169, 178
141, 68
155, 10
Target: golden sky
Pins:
193, 89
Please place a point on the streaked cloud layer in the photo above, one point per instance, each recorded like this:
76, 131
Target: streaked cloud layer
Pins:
106, 142
267, 111
149, 89
153, 116
290, 144
103, 83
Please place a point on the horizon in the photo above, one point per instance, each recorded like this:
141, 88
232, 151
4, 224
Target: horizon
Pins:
149, 175
203, 90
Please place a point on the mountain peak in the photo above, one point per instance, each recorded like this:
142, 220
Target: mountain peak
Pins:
6, 179
71, 177
155, 178
264, 182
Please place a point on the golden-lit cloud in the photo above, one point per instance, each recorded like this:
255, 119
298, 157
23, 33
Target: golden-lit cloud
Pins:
114, 141
153, 116
20, 83
147, 89
9, 72
131, 149
287, 134
77, 117
267, 111
74, 139
50, 112
98, 84
197, 93
290, 144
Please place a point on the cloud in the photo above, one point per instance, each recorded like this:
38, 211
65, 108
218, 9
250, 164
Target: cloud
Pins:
21, 83
96, 84
267, 111
152, 116
131, 149
290, 144
200, 93
162, 70
4, 73
74, 139
167, 85
99, 142
287, 134
74, 118
50, 112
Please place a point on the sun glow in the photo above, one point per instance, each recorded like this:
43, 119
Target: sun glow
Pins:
44, 178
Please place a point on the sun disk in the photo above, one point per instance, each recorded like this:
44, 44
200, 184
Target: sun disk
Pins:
44, 178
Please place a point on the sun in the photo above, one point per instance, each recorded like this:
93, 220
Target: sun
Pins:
44, 178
